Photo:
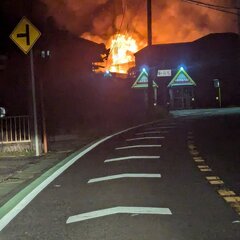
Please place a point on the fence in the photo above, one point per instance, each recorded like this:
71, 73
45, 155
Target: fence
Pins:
15, 129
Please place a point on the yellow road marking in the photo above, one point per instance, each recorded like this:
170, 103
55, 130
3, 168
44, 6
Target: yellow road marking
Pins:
199, 161
205, 169
234, 199
212, 178
203, 166
216, 182
225, 192
191, 146
194, 152
237, 207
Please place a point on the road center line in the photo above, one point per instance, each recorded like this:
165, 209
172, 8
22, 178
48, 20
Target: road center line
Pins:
143, 138
118, 210
138, 146
131, 157
125, 175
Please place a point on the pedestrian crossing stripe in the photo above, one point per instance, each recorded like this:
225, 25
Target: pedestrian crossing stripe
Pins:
142, 81
182, 79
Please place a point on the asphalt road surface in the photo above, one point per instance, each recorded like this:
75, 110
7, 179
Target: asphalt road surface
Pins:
176, 179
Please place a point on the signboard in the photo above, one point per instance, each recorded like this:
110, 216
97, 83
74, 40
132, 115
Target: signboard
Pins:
2, 112
142, 81
25, 34
181, 79
216, 83
164, 73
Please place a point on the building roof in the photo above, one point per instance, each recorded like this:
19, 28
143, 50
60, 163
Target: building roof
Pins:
168, 47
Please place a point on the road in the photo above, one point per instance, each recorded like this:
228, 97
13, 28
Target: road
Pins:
174, 179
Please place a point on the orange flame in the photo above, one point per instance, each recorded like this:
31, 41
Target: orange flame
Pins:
121, 56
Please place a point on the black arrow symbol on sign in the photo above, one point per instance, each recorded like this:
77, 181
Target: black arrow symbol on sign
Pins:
25, 35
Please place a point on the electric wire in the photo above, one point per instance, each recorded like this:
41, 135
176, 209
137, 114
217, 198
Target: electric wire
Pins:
211, 5
214, 7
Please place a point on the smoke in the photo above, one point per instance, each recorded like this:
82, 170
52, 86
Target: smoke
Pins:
173, 20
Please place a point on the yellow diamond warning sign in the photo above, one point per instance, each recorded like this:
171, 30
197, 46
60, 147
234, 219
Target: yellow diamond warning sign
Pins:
25, 35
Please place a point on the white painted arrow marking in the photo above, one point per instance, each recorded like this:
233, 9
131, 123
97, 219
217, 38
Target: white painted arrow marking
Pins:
118, 210
138, 146
131, 157
143, 138
125, 175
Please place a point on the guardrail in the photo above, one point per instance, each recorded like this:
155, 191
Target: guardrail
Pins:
15, 129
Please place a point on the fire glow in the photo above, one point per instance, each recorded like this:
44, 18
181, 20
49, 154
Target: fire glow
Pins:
122, 51
172, 21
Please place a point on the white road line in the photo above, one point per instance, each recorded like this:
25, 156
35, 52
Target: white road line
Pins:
151, 132
125, 175
143, 138
29, 195
118, 210
131, 157
138, 146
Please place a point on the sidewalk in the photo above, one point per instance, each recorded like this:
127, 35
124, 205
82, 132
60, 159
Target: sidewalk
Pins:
17, 172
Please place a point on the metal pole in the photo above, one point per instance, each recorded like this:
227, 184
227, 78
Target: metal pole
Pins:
149, 21
238, 15
219, 97
44, 128
151, 71
34, 104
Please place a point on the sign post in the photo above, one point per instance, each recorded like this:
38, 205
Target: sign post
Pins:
217, 85
25, 36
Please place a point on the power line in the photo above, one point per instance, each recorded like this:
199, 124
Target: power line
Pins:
212, 5
219, 8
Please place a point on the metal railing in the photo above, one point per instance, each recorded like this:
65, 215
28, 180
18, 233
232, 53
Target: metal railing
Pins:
15, 129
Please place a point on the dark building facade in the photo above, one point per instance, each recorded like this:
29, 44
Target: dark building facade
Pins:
186, 72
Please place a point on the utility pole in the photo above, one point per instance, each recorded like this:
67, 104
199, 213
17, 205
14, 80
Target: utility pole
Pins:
150, 71
238, 15
149, 21
35, 118
238, 25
